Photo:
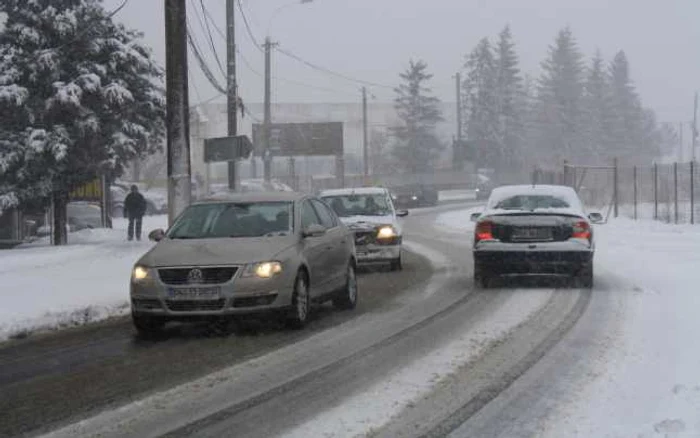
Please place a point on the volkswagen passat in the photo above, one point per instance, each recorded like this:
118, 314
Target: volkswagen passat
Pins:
245, 254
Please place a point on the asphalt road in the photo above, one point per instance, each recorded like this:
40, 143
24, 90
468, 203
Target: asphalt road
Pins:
263, 380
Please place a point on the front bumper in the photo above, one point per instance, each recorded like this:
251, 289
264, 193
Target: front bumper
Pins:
563, 258
371, 254
239, 296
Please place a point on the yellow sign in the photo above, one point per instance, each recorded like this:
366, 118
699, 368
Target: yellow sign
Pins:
91, 191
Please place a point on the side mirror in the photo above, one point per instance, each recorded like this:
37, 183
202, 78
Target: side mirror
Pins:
474, 217
156, 235
595, 218
401, 213
314, 230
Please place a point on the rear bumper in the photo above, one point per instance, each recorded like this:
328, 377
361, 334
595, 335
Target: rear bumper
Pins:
532, 262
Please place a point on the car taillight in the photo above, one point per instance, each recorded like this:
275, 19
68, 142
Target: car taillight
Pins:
484, 231
581, 230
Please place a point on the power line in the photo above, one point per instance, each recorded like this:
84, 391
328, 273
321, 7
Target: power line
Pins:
204, 24
202, 63
330, 72
247, 26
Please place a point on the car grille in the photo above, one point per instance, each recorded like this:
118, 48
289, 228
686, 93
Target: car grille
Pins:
175, 276
193, 306
364, 237
146, 303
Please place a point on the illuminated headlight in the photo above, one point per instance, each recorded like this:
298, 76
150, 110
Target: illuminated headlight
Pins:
386, 232
263, 269
140, 273
415, 198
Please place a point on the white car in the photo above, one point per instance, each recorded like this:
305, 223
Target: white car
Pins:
369, 212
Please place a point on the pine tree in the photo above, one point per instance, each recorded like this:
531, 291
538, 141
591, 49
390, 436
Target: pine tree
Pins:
559, 101
480, 100
626, 117
597, 112
79, 96
509, 100
417, 145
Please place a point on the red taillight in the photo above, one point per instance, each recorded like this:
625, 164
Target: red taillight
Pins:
484, 231
582, 230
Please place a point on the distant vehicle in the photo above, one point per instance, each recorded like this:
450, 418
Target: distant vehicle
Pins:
369, 212
156, 200
484, 189
540, 230
414, 196
263, 254
80, 216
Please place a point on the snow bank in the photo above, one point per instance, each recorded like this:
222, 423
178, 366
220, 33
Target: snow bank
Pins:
648, 385
47, 287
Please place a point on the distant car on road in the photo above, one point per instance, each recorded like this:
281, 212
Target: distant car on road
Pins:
81, 215
414, 196
243, 254
527, 230
483, 189
369, 212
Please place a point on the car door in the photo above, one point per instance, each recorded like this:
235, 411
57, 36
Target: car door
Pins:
336, 241
315, 250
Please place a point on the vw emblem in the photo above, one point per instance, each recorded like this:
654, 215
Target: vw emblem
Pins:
195, 276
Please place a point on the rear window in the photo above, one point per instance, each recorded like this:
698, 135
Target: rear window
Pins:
531, 202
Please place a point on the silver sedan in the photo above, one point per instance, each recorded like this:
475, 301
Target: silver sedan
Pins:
270, 253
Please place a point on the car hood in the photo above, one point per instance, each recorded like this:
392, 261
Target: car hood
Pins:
203, 252
369, 222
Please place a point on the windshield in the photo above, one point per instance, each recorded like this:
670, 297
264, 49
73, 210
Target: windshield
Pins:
531, 202
234, 220
359, 205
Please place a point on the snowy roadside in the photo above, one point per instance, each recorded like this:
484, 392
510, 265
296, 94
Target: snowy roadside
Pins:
649, 379
48, 288
456, 195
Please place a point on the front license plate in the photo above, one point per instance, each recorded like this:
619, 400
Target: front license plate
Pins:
195, 293
532, 234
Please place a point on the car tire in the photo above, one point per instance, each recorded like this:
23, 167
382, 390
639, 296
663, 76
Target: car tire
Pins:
301, 303
584, 277
346, 299
396, 264
147, 326
481, 279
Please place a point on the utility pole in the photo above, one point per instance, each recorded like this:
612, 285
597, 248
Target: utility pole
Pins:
694, 131
458, 84
231, 89
267, 154
177, 108
680, 141
365, 145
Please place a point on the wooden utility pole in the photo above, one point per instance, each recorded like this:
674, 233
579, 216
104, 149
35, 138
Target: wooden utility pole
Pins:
231, 88
365, 141
694, 131
458, 83
267, 153
177, 108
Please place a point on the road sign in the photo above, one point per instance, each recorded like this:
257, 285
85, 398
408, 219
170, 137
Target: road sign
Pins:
90, 192
227, 148
293, 139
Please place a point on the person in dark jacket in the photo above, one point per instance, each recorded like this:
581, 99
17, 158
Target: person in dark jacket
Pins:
134, 209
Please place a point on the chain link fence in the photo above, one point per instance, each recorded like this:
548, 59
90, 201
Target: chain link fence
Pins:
664, 192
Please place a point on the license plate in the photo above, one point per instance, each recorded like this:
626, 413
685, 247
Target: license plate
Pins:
195, 293
532, 234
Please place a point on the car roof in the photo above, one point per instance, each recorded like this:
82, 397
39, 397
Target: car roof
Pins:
355, 190
252, 197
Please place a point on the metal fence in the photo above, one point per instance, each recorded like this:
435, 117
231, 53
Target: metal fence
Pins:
665, 192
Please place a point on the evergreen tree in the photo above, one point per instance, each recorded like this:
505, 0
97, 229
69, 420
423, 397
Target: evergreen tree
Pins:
79, 96
627, 115
416, 143
481, 103
509, 99
560, 91
596, 111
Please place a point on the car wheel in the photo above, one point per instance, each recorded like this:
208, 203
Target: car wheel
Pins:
584, 278
481, 279
347, 297
301, 303
147, 326
396, 265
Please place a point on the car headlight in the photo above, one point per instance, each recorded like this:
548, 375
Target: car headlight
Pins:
415, 198
140, 273
386, 232
263, 269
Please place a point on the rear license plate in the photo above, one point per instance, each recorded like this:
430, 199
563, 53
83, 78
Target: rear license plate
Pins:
532, 234
195, 293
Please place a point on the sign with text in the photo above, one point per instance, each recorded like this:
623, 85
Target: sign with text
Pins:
89, 192
293, 139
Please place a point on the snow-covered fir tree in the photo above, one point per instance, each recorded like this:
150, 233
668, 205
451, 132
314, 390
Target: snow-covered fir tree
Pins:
596, 113
416, 144
79, 96
509, 100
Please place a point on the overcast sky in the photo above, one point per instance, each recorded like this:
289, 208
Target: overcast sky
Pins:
374, 39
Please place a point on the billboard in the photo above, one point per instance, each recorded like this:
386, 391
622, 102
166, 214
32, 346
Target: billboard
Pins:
90, 192
294, 139
226, 148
